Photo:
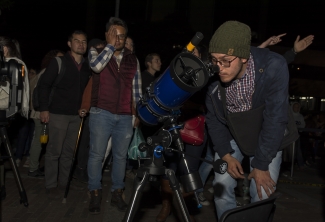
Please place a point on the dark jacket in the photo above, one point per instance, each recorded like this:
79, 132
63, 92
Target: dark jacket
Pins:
289, 56
112, 88
146, 79
271, 89
68, 93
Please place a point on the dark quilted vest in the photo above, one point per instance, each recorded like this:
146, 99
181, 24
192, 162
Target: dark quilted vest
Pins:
112, 88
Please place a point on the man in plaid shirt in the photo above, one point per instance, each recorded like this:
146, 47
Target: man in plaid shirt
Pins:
115, 91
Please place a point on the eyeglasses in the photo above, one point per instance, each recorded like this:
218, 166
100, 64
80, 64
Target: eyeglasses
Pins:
223, 63
121, 36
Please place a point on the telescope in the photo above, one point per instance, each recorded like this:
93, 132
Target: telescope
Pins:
161, 102
185, 75
12, 75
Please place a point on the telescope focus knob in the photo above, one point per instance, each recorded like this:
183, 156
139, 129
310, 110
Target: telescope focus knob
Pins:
142, 147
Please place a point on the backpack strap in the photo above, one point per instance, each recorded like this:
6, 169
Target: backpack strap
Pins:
58, 59
62, 66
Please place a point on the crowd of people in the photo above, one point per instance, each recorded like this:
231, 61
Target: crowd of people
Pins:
103, 89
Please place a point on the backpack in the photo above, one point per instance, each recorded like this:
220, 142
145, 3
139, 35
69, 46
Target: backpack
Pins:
35, 101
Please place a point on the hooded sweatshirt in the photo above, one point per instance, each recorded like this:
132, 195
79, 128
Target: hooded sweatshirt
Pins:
299, 119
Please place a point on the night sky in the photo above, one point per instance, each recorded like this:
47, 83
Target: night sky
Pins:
41, 25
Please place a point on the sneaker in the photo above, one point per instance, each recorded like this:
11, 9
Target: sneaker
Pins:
211, 190
117, 200
202, 199
95, 201
26, 164
36, 174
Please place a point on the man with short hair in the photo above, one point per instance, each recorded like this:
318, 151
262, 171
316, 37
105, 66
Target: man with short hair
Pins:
129, 44
116, 88
252, 80
153, 65
80, 171
62, 114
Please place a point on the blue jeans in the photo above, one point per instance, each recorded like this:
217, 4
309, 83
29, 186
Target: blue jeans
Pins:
205, 167
103, 125
224, 184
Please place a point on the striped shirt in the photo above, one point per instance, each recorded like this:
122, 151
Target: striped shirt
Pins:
239, 93
98, 62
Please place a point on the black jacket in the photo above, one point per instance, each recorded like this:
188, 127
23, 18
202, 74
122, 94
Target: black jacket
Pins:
68, 94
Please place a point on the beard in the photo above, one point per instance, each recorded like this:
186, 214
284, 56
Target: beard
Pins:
119, 47
80, 52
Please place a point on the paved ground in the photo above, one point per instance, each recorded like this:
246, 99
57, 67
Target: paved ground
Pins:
301, 200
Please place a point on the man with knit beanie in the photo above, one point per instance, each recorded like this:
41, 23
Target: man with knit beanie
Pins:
247, 113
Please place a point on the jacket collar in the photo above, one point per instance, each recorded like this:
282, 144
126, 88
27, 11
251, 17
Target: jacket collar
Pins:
260, 61
261, 57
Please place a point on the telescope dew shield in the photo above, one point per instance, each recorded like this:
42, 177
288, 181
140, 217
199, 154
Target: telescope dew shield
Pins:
186, 75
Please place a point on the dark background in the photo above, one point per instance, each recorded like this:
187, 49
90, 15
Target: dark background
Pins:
40, 25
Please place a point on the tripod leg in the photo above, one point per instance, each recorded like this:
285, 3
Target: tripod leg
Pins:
174, 184
138, 186
22, 192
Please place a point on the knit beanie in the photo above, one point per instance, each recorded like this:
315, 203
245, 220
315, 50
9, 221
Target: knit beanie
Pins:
232, 38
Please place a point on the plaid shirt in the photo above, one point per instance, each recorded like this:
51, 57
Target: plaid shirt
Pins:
240, 92
98, 62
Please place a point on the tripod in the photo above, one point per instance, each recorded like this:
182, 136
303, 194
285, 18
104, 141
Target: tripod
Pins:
5, 141
153, 167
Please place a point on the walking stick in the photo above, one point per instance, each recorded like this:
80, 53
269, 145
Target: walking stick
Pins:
73, 159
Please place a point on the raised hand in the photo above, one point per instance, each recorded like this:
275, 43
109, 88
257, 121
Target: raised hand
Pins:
300, 45
272, 40
111, 36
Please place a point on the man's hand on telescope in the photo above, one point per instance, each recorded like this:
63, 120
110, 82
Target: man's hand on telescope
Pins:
262, 179
234, 169
45, 116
